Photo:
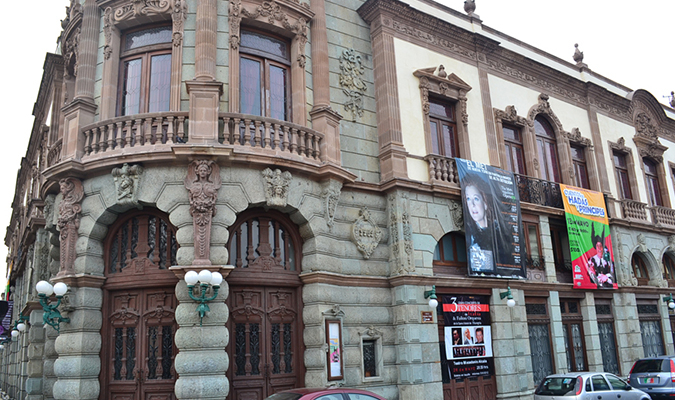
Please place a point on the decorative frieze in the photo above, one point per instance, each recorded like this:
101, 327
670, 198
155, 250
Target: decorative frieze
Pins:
126, 184
400, 234
202, 182
351, 82
276, 187
69, 222
365, 234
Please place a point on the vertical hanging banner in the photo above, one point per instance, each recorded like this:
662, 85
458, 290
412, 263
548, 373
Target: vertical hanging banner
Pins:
468, 336
492, 220
590, 241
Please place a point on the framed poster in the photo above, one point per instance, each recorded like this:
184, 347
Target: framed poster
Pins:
334, 340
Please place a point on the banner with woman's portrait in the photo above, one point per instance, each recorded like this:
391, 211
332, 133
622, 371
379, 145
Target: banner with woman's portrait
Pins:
492, 221
589, 238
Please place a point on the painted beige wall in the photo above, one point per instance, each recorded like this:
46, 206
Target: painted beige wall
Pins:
571, 116
504, 93
409, 58
669, 156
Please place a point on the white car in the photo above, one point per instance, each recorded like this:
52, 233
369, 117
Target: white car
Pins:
587, 386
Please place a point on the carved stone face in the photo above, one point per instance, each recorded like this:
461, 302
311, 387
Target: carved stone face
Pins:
203, 171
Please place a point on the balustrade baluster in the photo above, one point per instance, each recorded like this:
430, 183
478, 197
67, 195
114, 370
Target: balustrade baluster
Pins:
277, 134
247, 132
159, 137
169, 129
226, 131
237, 131
444, 170
96, 135
300, 134
87, 141
181, 129
147, 131
138, 128
267, 137
111, 136
257, 140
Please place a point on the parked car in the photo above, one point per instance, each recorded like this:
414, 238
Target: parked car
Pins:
654, 375
586, 386
325, 394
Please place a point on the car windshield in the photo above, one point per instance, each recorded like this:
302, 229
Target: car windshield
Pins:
650, 365
557, 386
284, 396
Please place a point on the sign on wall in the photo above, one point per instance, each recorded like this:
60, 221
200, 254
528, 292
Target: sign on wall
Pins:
492, 220
468, 336
334, 339
590, 241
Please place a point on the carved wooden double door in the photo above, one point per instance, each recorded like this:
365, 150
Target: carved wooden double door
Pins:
138, 346
265, 346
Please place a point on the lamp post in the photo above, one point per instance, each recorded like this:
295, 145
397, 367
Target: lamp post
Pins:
205, 278
51, 315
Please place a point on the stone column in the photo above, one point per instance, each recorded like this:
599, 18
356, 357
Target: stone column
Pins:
36, 338
511, 347
204, 90
50, 356
557, 335
546, 248
591, 333
627, 326
79, 344
416, 346
202, 182
201, 361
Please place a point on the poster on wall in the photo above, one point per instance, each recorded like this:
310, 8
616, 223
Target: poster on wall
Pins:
334, 338
468, 336
589, 238
492, 220
6, 316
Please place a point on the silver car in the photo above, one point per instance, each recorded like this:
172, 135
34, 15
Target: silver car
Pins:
587, 386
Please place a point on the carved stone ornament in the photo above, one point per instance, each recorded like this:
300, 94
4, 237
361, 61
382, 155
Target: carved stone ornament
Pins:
126, 184
365, 234
273, 13
69, 222
276, 187
642, 243
620, 146
351, 82
371, 332
470, 6
49, 212
439, 82
202, 182
578, 56
644, 127
671, 243
178, 16
70, 51
400, 234
575, 137
334, 311
510, 115
135, 8
543, 107
457, 214
331, 197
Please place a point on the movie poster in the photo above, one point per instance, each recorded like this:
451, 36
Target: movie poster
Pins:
492, 220
468, 336
590, 241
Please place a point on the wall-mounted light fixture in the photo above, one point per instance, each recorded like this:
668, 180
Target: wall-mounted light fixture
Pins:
51, 315
669, 299
4, 341
509, 297
431, 295
205, 278
19, 325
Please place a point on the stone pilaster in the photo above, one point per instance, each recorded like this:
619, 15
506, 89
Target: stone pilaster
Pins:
627, 325
546, 248
511, 347
79, 346
36, 337
557, 334
87, 52
205, 46
50, 356
591, 333
201, 361
400, 234
417, 356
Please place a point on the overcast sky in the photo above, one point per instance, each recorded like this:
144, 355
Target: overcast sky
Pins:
627, 42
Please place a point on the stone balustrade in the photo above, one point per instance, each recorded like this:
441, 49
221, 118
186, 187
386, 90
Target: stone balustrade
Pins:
634, 210
663, 216
442, 169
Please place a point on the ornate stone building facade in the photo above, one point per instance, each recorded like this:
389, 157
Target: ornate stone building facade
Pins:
305, 150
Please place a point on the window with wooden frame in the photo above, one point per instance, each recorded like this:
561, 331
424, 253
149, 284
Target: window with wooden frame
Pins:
605, 318
650, 327
145, 71
573, 335
539, 330
264, 84
515, 154
669, 269
640, 269
561, 251
533, 244
444, 106
580, 167
622, 176
443, 128
652, 181
549, 164
450, 255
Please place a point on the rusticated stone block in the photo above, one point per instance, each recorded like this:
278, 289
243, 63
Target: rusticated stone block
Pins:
82, 389
72, 343
206, 337
207, 362
202, 387
77, 366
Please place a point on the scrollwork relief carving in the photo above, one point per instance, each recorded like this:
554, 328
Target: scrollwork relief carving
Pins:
351, 82
178, 17
335, 311
457, 214
70, 54
365, 234
276, 187
575, 136
137, 8
400, 234
69, 222
202, 182
331, 195
126, 183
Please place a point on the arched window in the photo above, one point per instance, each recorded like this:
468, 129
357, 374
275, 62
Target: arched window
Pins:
669, 269
450, 255
141, 238
549, 166
265, 76
640, 269
145, 71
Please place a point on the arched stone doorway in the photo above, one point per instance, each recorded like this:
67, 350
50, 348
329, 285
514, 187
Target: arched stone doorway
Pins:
265, 303
139, 303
